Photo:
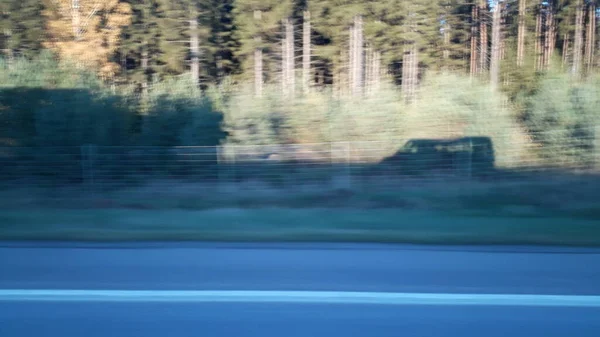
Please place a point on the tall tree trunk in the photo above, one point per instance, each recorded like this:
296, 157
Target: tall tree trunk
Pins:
342, 73
538, 37
360, 62
414, 73
577, 39
502, 39
590, 37
287, 59
357, 57
592, 34
552, 29
8, 52
258, 61
547, 39
446, 53
411, 63
565, 50
409, 73
473, 54
405, 72
483, 36
321, 78
75, 19
368, 69
372, 70
291, 53
284, 60
352, 56
194, 50
521, 33
376, 69
496, 41
306, 52
145, 67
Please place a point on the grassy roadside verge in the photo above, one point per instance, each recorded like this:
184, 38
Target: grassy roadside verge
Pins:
550, 212
279, 224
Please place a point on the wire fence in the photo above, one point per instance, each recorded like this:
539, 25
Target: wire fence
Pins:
351, 165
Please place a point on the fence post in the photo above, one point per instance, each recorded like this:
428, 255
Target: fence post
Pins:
233, 164
87, 152
82, 160
340, 166
348, 169
470, 167
219, 151
332, 170
596, 150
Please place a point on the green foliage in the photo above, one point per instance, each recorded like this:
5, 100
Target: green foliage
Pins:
449, 106
175, 31
48, 103
251, 120
562, 116
160, 35
44, 103
390, 26
44, 71
142, 38
179, 114
519, 82
331, 21
156, 44
71, 117
21, 27
453, 54
454, 106
319, 117
220, 44
268, 28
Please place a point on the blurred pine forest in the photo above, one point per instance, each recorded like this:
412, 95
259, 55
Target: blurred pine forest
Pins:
209, 72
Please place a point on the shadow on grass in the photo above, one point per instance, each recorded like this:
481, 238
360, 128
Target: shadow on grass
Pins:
408, 198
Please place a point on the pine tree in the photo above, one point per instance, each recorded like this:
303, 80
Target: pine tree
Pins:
578, 38
140, 46
590, 35
453, 52
496, 45
221, 44
263, 35
332, 23
522, 28
413, 25
174, 23
21, 27
306, 51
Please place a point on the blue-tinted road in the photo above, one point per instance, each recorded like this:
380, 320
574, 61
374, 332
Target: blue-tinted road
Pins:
394, 268
281, 320
445, 271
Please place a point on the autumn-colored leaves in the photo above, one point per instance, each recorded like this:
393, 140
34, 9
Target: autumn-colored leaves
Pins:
86, 31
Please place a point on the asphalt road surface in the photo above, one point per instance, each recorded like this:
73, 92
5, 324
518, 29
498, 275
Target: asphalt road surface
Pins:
297, 290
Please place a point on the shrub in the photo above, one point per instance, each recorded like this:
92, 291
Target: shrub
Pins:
179, 114
453, 106
49, 103
562, 116
449, 106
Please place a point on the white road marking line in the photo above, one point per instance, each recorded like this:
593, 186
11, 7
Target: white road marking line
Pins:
325, 297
